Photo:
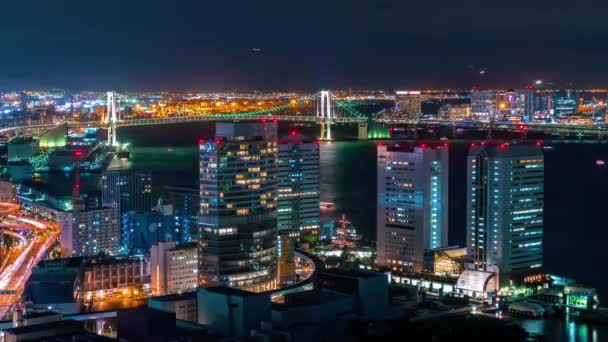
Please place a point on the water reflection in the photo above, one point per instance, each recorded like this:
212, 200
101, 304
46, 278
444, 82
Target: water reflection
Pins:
564, 329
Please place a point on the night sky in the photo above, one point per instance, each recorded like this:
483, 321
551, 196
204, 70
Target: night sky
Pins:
303, 45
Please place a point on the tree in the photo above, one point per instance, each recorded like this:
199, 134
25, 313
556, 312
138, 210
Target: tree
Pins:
7, 242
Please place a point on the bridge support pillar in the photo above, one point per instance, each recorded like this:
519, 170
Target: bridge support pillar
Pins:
112, 140
362, 131
326, 130
111, 118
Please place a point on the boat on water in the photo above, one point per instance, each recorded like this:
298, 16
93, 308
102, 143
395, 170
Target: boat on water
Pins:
345, 235
123, 153
326, 205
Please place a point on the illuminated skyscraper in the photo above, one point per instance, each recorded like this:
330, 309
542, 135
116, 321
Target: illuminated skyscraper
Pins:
505, 209
298, 185
126, 191
185, 202
412, 203
238, 218
129, 191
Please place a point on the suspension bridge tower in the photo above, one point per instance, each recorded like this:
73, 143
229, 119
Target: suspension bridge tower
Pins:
111, 119
325, 112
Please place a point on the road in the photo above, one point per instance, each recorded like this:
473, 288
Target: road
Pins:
36, 239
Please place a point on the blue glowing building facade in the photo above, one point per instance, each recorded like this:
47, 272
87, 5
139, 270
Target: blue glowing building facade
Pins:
505, 209
412, 203
298, 185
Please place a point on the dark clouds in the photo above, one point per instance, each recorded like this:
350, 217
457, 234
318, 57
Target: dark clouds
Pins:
305, 45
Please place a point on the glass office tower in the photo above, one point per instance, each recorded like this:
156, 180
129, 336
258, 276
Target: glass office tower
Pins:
298, 185
505, 209
238, 219
412, 203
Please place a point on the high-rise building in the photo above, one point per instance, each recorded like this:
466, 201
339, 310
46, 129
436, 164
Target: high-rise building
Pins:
564, 102
409, 103
173, 268
148, 228
412, 203
505, 209
129, 192
95, 231
238, 218
185, 202
298, 185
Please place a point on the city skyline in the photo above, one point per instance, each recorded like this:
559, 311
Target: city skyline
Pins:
289, 171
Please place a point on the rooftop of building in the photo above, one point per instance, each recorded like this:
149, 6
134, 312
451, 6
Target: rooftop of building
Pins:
185, 246
252, 130
59, 264
56, 326
21, 140
452, 252
299, 299
230, 291
189, 188
354, 273
296, 138
506, 150
175, 297
474, 280
408, 147
40, 314
110, 260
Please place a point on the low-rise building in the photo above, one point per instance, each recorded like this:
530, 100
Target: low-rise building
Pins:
448, 261
107, 275
182, 304
232, 312
96, 231
174, 268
